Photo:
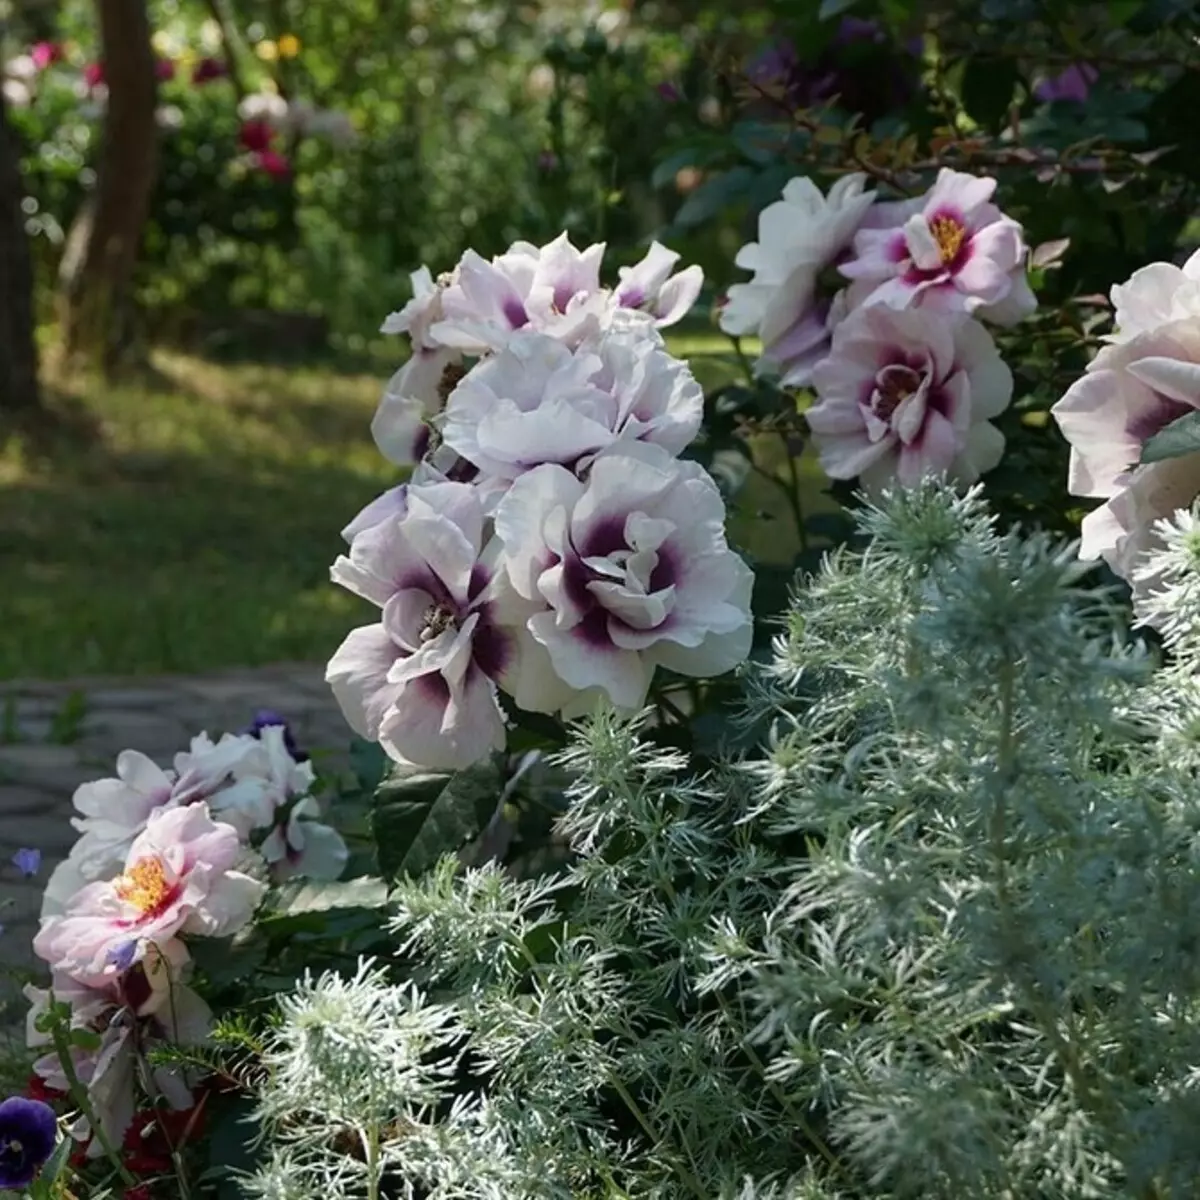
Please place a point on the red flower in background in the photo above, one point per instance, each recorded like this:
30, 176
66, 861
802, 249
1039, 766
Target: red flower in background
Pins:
151, 1135
208, 69
256, 136
46, 54
93, 74
274, 164
164, 70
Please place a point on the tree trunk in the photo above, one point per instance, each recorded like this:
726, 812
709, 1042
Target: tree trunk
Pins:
96, 273
18, 349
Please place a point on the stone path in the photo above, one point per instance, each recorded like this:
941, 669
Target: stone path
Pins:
55, 736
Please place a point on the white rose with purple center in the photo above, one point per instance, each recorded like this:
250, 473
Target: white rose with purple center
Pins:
422, 681
1130, 392
539, 402
1155, 295
799, 237
629, 570
555, 289
908, 394
950, 251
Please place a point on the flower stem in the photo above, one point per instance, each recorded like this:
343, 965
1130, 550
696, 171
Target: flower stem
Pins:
62, 1047
371, 1146
793, 493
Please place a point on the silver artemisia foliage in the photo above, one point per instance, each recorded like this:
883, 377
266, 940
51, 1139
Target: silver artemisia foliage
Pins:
936, 938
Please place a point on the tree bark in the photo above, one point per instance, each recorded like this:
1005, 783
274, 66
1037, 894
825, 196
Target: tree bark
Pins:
19, 393
98, 263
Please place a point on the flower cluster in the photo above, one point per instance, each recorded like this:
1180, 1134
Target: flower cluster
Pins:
877, 306
1147, 377
164, 855
550, 544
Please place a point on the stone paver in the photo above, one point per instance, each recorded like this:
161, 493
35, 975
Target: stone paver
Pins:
158, 716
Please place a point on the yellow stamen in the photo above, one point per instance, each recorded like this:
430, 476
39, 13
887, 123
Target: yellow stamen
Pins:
949, 234
144, 885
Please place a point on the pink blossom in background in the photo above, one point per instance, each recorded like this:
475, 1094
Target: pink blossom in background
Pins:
179, 877
951, 251
164, 70
93, 74
149, 1004
208, 69
46, 54
1073, 85
906, 394
273, 163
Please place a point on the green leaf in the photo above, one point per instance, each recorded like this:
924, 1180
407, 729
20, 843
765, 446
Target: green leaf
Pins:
1181, 437
761, 142
231, 1147
987, 89
300, 896
43, 1186
418, 817
85, 1039
713, 195
369, 763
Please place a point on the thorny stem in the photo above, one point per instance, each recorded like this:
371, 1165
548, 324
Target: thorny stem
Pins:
79, 1094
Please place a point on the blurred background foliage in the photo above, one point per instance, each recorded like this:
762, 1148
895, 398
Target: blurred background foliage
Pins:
415, 128
311, 153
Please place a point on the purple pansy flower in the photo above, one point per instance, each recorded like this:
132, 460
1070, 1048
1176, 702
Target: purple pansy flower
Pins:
266, 717
28, 1134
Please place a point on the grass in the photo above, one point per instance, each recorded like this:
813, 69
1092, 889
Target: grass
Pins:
187, 522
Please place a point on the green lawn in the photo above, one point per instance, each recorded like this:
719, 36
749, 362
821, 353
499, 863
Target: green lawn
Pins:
191, 525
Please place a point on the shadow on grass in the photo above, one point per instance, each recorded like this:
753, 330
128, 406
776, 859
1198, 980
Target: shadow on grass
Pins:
183, 532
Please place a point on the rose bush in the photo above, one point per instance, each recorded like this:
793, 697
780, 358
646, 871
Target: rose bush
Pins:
663, 872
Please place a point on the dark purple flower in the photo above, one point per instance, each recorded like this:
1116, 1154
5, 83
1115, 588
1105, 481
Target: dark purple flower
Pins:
208, 69
861, 66
778, 65
547, 161
669, 92
858, 29
1071, 85
28, 862
28, 1134
264, 719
